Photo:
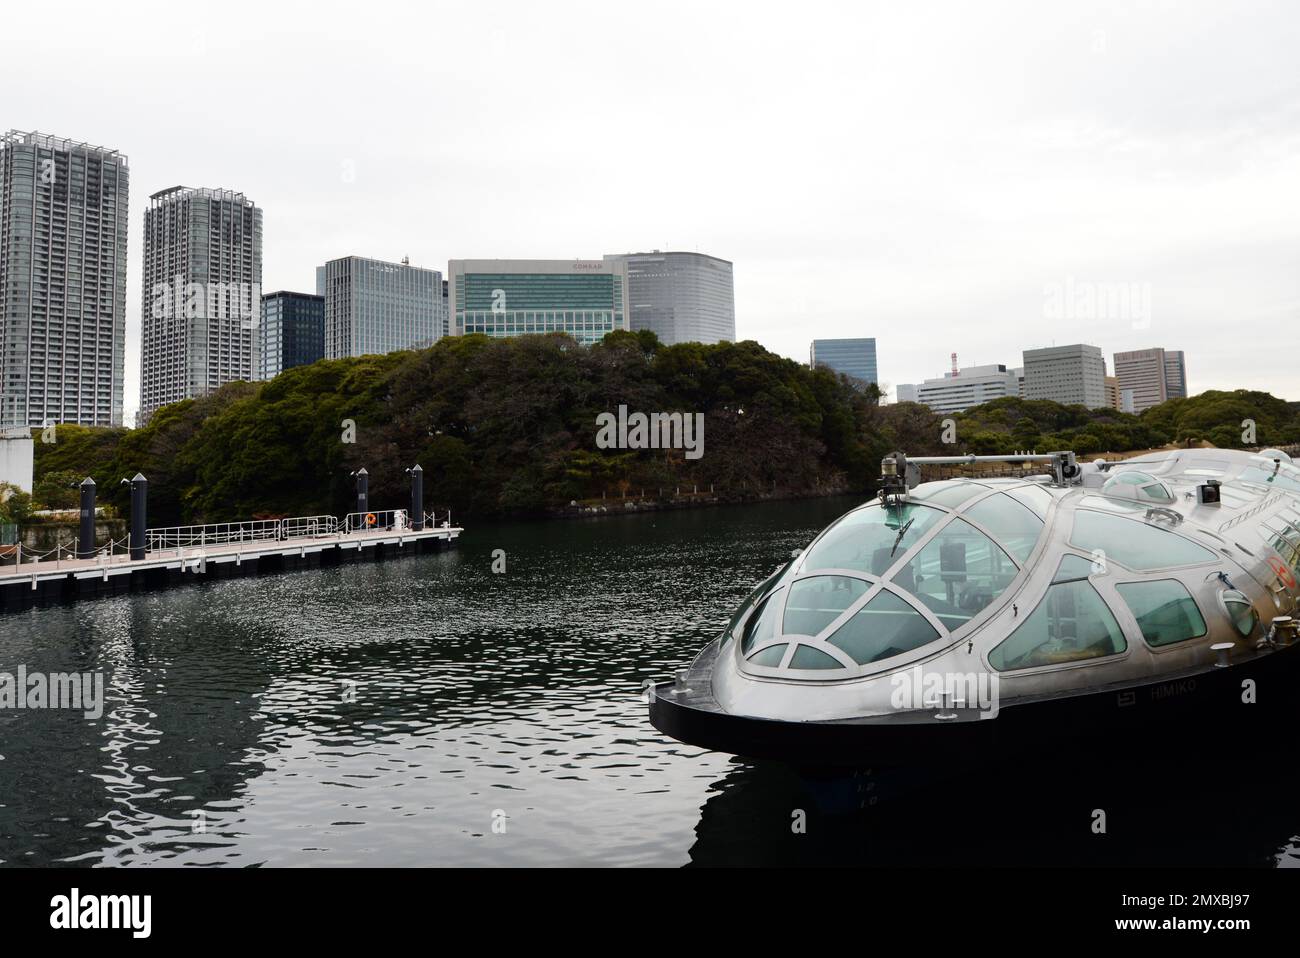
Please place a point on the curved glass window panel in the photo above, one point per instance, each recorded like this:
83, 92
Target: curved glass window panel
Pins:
753, 597
1073, 568
762, 625
1165, 611
1271, 478
884, 627
1035, 497
1241, 611
1071, 624
951, 492
769, 657
817, 602
868, 540
1112, 504
806, 657
957, 574
1136, 545
1012, 524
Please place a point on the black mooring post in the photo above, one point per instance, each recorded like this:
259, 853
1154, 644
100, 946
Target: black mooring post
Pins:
139, 505
417, 497
86, 536
363, 490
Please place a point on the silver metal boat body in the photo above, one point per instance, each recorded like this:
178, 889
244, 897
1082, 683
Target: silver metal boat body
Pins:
973, 616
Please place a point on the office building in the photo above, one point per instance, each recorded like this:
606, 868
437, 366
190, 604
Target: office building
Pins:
372, 306
1112, 393
1071, 375
499, 297
852, 357
291, 333
63, 236
201, 294
680, 297
960, 390
1175, 374
1142, 371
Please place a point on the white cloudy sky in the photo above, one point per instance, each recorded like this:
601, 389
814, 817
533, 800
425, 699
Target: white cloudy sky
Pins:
923, 173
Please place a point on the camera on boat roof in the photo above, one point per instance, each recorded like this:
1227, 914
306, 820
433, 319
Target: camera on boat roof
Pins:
1207, 493
897, 475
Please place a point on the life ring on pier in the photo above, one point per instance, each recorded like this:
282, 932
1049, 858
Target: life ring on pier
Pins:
370, 518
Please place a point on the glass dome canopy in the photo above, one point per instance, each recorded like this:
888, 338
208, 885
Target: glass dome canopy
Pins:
1139, 487
886, 580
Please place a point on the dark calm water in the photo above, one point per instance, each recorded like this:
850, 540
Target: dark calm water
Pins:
388, 713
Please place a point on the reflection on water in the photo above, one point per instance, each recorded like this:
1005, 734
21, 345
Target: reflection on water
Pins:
389, 713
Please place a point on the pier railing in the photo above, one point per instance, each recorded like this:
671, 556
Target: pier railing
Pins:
216, 533
311, 526
390, 520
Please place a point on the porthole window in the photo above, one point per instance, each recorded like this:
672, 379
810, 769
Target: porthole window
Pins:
1165, 611
1240, 610
1071, 624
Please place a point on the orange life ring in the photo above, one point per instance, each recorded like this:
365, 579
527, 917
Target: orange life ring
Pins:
370, 518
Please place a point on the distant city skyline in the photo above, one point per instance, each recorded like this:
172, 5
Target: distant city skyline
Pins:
991, 160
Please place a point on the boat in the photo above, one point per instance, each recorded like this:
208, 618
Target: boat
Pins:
1150, 601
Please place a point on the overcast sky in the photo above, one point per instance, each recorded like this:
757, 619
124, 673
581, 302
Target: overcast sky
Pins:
928, 174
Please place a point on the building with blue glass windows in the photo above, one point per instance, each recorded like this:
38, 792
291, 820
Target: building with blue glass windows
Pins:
852, 357
376, 307
515, 297
291, 333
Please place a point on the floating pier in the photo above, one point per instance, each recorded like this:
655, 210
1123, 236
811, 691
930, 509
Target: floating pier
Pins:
157, 558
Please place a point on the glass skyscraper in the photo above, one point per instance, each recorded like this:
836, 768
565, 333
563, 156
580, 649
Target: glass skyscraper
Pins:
292, 332
376, 307
202, 292
504, 297
680, 297
63, 233
853, 357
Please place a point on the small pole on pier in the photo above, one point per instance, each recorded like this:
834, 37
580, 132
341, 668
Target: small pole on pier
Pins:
417, 497
86, 537
363, 490
139, 506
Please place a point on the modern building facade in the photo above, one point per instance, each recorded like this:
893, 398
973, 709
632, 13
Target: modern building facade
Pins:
852, 357
680, 297
63, 237
1142, 372
498, 297
959, 391
1072, 375
201, 296
1175, 374
291, 333
372, 306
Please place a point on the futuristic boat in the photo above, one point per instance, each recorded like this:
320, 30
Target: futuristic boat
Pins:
952, 618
